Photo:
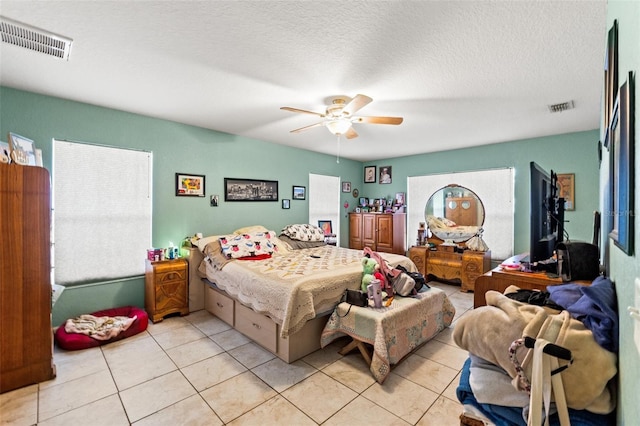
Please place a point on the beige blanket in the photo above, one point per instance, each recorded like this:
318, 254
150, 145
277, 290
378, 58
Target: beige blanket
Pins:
293, 287
99, 328
488, 332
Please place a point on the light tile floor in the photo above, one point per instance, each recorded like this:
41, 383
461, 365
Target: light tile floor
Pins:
196, 370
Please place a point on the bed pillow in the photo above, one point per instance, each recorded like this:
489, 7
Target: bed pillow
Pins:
201, 243
247, 245
297, 245
304, 232
250, 230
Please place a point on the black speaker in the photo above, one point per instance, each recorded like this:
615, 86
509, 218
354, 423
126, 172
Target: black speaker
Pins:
578, 261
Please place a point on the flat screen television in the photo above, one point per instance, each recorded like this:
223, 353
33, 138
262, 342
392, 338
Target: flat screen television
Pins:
547, 216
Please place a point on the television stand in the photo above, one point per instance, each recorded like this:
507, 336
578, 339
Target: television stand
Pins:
499, 279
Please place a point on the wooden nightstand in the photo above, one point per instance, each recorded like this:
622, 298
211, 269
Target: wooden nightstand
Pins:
166, 288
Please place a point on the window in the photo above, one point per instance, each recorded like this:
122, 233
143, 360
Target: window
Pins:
101, 212
324, 200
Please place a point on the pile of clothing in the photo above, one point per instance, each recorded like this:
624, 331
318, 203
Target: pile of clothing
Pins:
496, 377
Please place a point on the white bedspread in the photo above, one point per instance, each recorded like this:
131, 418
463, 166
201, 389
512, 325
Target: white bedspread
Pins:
293, 287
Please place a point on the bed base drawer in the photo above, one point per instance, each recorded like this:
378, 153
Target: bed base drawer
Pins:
257, 327
219, 305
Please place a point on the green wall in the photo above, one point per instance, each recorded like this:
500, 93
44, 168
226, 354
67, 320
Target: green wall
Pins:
623, 268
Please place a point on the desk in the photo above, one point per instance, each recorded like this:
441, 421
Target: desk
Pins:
393, 331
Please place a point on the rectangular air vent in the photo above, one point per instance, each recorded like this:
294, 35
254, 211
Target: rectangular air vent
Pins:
561, 107
23, 35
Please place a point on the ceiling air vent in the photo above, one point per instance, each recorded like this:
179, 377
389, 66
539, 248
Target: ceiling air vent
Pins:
32, 38
561, 107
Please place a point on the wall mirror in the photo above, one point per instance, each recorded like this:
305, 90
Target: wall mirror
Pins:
454, 214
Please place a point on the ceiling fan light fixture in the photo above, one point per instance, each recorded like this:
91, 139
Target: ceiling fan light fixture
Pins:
339, 126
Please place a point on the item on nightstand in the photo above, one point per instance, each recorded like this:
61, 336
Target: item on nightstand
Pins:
578, 261
355, 297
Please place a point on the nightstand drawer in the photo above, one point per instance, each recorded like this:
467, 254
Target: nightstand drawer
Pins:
256, 326
171, 276
219, 304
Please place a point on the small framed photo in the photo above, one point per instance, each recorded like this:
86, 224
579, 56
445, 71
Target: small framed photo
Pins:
346, 186
370, 174
23, 150
189, 185
299, 192
325, 225
400, 198
385, 174
357, 209
286, 203
214, 201
363, 201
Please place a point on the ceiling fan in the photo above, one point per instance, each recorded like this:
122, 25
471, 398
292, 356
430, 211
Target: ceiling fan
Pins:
338, 117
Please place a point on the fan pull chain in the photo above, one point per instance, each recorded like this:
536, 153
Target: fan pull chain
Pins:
338, 154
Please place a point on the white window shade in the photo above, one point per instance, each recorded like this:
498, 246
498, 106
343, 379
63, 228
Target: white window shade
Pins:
324, 200
101, 212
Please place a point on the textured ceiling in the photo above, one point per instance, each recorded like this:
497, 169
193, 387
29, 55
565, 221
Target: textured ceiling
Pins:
460, 73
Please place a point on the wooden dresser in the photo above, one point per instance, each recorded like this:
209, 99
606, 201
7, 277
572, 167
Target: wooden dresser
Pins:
166, 288
382, 232
26, 339
463, 267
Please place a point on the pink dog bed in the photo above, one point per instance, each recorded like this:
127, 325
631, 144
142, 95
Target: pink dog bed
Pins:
77, 341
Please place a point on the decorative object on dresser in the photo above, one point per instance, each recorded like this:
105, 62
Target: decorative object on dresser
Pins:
382, 232
22, 150
166, 288
454, 215
26, 341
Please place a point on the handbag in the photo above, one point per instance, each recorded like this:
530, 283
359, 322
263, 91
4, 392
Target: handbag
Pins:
578, 261
355, 297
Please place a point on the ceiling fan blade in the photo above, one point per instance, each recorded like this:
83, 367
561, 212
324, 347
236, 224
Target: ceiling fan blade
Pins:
377, 120
351, 133
355, 104
304, 111
302, 129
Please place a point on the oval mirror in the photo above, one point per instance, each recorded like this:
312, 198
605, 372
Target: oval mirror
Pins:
454, 214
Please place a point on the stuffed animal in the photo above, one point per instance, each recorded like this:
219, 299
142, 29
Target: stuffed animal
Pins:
370, 270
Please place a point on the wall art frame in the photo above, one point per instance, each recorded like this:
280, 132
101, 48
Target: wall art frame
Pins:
286, 203
610, 79
190, 185
567, 186
346, 186
385, 175
370, 174
299, 192
250, 190
621, 167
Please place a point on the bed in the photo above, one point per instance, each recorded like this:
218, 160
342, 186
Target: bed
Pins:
282, 301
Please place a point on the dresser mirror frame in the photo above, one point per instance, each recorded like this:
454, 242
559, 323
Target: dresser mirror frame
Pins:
447, 202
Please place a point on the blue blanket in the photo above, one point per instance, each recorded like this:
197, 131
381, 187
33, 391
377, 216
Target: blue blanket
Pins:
595, 306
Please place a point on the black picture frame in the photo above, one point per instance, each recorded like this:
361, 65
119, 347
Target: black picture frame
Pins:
346, 186
299, 192
286, 203
385, 175
610, 79
621, 167
250, 190
190, 185
370, 174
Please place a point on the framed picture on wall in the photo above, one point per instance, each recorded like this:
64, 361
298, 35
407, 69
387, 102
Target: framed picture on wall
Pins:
286, 203
346, 186
299, 193
370, 174
189, 185
621, 167
250, 190
566, 184
385, 174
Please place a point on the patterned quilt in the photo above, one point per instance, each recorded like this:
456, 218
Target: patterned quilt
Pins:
294, 287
